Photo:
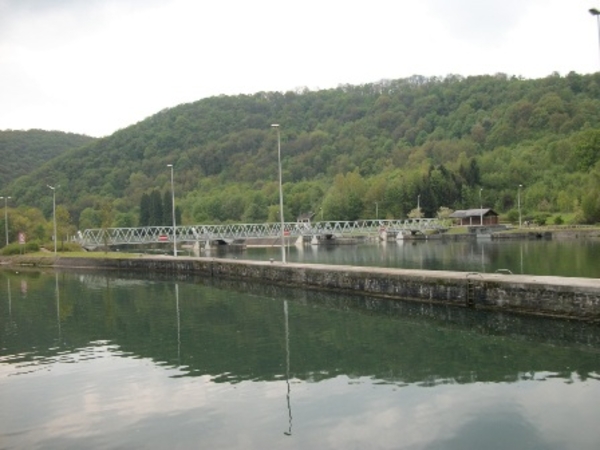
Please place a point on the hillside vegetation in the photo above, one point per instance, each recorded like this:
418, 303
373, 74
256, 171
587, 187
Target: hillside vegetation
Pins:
21, 152
347, 153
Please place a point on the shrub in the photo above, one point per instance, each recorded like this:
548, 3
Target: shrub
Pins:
17, 249
541, 219
513, 216
558, 220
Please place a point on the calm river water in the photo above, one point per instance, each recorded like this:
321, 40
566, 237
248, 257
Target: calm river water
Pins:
573, 258
104, 361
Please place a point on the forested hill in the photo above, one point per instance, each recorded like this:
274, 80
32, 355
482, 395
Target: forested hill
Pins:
21, 152
350, 152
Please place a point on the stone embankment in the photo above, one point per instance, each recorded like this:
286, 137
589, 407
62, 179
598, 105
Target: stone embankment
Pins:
537, 295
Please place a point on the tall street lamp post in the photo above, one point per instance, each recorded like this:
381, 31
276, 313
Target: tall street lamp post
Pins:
596, 13
480, 208
519, 203
276, 125
377, 210
173, 211
54, 214
6, 216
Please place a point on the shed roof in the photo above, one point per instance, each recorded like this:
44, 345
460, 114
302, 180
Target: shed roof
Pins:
465, 213
305, 216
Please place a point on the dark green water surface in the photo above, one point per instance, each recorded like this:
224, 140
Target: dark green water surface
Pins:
573, 258
91, 360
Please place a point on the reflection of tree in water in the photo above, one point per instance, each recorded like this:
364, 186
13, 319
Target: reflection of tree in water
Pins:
232, 331
287, 368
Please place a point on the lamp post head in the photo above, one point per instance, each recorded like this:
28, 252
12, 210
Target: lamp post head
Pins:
594, 12
169, 165
275, 125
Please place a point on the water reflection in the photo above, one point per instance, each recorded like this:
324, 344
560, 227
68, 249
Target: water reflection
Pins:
9, 300
57, 293
364, 371
287, 367
576, 258
178, 324
228, 334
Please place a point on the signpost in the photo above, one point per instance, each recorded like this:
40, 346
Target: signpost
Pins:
22, 241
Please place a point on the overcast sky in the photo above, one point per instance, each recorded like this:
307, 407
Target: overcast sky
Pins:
95, 66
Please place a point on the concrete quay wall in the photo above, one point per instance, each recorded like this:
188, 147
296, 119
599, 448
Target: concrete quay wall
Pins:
538, 295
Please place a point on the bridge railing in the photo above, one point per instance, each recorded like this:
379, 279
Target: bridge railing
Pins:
192, 233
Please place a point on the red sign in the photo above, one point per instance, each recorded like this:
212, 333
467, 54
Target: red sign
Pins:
162, 237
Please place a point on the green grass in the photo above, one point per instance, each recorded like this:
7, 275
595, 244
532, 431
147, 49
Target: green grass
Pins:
82, 254
457, 230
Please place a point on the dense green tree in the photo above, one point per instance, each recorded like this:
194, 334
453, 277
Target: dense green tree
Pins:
64, 226
439, 139
344, 200
587, 149
178, 215
145, 211
90, 218
125, 220
22, 152
590, 204
167, 208
156, 209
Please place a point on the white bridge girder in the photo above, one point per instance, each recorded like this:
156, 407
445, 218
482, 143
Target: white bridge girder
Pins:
99, 237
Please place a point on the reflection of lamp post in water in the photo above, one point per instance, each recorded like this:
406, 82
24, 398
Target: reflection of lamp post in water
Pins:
521, 258
287, 367
519, 203
482, 259
178, 324
58, 308
480, 208
9, 301
11, 326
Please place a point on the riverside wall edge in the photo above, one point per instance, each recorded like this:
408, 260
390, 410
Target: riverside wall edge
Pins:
538, 295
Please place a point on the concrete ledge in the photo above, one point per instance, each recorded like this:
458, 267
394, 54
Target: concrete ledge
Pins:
537, 295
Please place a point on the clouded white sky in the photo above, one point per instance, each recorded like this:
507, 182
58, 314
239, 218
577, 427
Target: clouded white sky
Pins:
95, 66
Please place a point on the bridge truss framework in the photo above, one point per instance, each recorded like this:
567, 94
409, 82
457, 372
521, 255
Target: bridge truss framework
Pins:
227, 233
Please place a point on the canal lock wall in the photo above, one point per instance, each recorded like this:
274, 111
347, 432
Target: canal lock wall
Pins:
534, 295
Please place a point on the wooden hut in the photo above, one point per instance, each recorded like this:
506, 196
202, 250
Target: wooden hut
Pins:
470, 217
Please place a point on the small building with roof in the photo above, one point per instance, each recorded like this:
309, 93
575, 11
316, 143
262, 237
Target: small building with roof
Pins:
305, 218
470, 217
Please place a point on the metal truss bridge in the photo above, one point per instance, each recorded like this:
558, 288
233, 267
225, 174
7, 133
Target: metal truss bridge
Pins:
229, 233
